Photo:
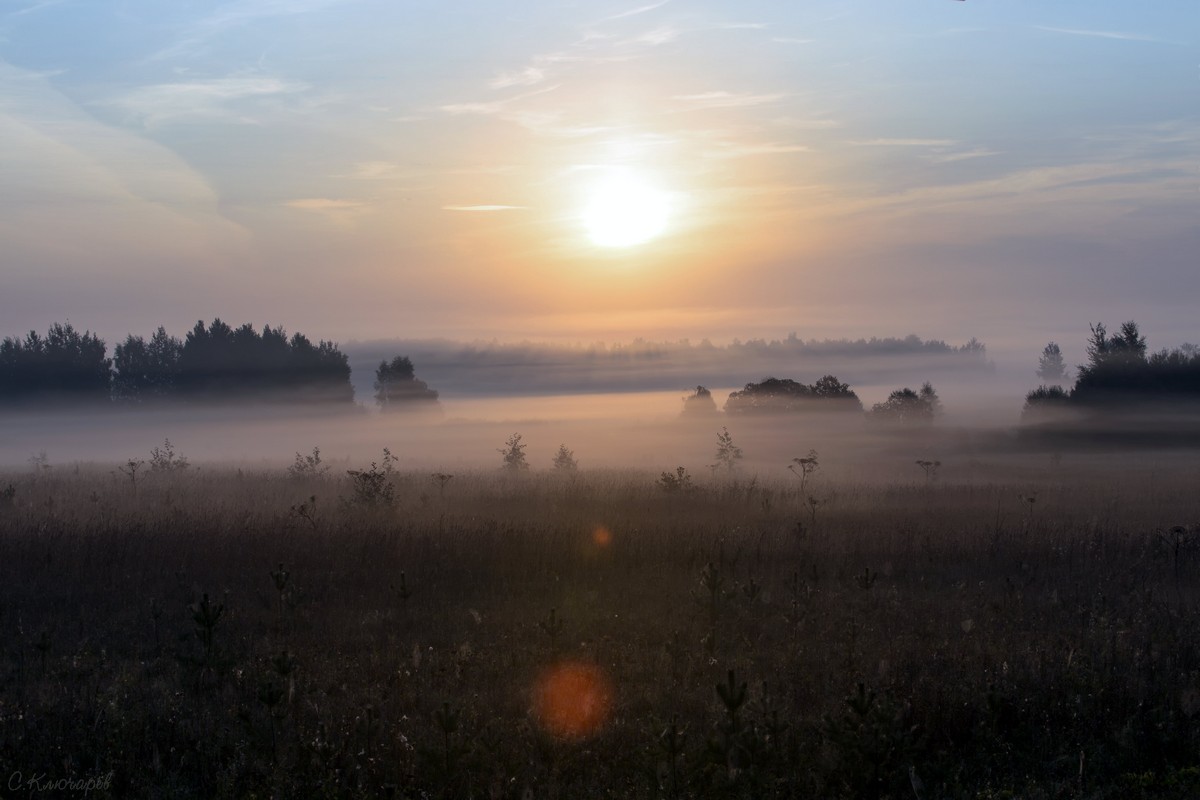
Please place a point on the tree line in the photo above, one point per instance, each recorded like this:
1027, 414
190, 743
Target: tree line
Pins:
212, 363
1120, 373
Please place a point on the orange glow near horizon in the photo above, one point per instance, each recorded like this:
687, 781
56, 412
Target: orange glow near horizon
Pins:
573, 700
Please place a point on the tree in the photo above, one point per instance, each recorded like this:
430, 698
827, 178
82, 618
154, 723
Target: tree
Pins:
906, 407
728, 454
146, 370
397, 387
775, 395
513, 454
699, 404
564, 460
1051, 368
63, 366
931, 399
1044, 403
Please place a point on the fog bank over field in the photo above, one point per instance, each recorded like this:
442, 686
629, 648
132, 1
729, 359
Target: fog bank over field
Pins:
516, 369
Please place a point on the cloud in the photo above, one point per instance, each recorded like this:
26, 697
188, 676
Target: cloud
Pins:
948, 158
482, 208
747, 150
325, 204
493, 106
720, 99
162, 103
904, 143
1122, 35
525, 77
791, 40
233, 15
655, 37
633, 12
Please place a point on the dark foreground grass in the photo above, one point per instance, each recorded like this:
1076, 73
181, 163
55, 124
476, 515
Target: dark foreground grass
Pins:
221, 634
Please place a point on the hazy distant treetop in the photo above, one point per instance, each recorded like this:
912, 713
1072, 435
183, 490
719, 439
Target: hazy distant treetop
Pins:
1051, 367
906, 407
700, 403
397, 387
775, 395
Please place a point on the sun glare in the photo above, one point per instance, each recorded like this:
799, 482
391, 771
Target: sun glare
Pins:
625, 209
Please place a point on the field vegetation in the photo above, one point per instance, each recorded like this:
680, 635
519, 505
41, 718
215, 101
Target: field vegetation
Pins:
1018, 629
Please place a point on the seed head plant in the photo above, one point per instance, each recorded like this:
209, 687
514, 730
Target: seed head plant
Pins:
803, 468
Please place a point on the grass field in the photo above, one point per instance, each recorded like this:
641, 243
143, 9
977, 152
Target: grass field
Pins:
222, 632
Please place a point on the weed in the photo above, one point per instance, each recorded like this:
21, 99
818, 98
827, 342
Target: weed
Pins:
373, 486
310, 466
130, 468
930, 468
164, 459
306, 511
679, 483
804, 468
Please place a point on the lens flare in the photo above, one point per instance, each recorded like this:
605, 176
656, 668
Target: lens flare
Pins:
573, 700
602, 537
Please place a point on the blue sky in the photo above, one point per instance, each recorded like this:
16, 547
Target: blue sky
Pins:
1008, 170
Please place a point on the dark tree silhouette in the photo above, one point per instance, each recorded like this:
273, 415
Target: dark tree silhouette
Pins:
775, 395
220, 363
397, 387
146, 371
906, 407
65, 366
1045, 403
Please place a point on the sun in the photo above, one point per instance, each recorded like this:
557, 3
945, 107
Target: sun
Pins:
624, 209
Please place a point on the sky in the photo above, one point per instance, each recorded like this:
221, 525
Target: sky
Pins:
355, 169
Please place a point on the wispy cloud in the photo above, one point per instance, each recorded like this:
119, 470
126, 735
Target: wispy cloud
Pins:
325, 204
492, 106
1124, 35
234, 15
748, 150
949, 158
791, 40
721, 99
904, 143
484, 208
159, 103
633, 12
655, 37
524, 77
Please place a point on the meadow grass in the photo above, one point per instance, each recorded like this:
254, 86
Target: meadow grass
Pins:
219, 632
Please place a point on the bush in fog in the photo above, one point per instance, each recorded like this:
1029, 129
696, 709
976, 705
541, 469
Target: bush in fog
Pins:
397, 387
1044, 402
564, 459
776, 395
699, 404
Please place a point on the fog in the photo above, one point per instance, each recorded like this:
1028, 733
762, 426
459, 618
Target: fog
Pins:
614, 406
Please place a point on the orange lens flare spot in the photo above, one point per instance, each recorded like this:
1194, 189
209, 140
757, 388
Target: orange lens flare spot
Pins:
602, 537
573, 700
